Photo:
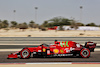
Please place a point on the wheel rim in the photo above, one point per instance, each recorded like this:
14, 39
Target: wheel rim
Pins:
85, 53
25, 53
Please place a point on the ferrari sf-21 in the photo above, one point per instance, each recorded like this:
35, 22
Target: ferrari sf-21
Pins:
58, 49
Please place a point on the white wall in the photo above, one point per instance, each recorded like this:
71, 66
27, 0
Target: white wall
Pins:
81, 28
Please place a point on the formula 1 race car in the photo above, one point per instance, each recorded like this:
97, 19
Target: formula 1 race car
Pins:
59, 49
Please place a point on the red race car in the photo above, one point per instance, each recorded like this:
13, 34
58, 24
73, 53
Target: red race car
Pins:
58, 49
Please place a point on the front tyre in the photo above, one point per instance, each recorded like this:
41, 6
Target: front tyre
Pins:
25, 53
85, 53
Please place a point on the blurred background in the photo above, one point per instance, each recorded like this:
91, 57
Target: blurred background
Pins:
38, 18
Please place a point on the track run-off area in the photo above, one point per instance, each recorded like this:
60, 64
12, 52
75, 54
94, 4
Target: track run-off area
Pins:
12, 44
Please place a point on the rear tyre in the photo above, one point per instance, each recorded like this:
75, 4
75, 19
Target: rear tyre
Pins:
25, 53
85, 53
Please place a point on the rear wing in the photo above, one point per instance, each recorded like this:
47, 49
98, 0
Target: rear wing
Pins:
90, 45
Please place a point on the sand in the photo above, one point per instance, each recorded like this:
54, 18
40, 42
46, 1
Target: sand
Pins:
49, 33
51, 65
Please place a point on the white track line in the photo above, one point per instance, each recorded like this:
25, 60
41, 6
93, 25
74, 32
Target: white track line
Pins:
53, 63
39, 63
4, 50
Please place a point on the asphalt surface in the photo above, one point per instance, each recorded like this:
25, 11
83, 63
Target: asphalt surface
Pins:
21, 46
16, 46
39, 40
95, 57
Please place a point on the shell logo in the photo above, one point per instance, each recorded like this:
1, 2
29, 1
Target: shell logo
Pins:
56, 51
44, 49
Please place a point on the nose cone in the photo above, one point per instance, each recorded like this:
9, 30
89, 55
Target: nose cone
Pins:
12, 56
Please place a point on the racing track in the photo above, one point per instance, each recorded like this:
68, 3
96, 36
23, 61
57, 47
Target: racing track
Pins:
21, 46
94, 58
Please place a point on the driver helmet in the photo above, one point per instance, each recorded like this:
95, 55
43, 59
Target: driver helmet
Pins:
55, 40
